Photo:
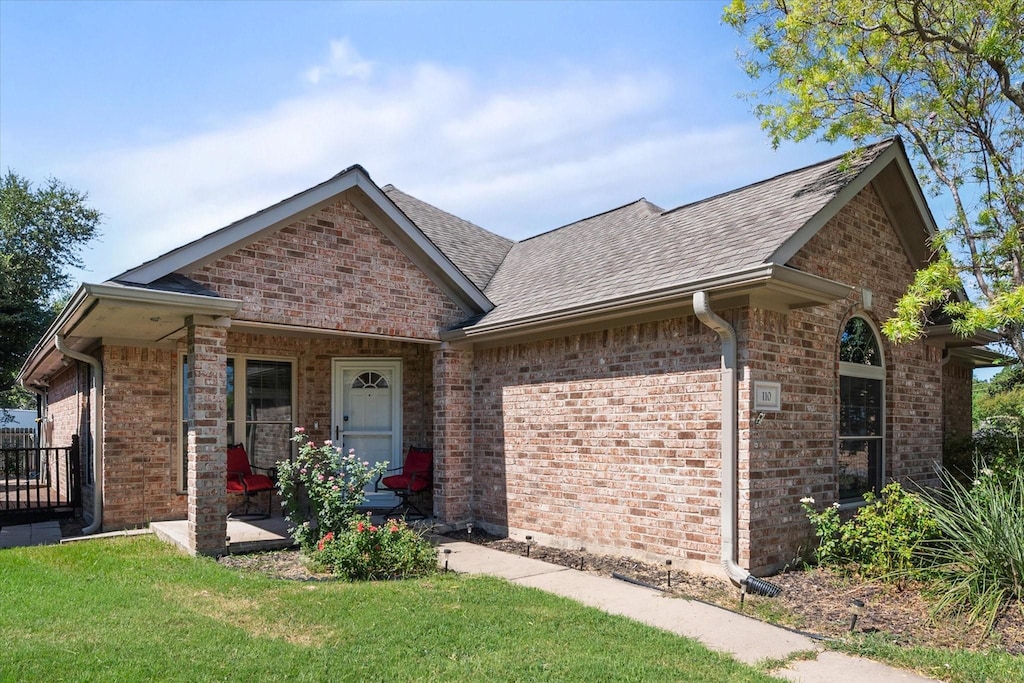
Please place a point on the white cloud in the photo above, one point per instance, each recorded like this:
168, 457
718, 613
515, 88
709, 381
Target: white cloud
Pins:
342, 62
516, 159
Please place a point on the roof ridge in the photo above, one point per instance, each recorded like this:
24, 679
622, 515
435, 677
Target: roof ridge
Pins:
596, 215
825, 162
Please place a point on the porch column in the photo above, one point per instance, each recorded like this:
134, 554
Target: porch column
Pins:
453, 433
207, 437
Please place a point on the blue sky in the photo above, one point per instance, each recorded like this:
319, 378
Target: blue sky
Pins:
180, 117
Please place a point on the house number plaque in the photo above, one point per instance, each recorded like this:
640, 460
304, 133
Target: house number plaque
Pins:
768, 396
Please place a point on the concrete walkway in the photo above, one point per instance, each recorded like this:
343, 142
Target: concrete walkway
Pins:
744, 638
39, 533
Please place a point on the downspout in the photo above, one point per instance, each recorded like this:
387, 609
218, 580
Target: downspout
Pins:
97, 441
730, 451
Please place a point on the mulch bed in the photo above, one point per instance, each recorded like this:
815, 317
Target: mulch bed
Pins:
816, 601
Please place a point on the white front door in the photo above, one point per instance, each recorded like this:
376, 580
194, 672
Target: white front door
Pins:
367, 414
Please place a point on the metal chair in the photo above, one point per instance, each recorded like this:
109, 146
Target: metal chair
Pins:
242, 479
414, 476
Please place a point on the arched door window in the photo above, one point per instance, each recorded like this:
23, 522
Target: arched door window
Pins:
861, 464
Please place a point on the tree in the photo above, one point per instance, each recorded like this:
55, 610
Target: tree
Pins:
42, 232
944, 75
1001, 399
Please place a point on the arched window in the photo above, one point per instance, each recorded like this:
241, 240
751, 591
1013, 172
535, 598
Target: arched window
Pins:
370, 380
861, 464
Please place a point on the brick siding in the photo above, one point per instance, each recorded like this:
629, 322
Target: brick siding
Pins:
141, 400
957, 386
607, 440
332, 270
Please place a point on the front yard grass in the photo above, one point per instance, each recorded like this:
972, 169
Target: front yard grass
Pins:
134, 609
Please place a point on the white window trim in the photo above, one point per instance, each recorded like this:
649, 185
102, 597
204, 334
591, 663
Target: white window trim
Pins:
876, 372
239, 413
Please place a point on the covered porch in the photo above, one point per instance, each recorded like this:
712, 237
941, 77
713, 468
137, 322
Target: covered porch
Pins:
176, 379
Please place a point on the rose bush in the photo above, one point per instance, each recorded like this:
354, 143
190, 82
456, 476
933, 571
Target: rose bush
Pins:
367, 551
322, 489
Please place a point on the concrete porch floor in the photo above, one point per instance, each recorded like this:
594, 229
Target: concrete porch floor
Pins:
244, 535
252, 535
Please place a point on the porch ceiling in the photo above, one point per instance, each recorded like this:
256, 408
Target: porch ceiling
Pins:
113, 313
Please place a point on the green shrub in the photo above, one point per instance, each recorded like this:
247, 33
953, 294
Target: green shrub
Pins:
996, 448
979, 558
882, 537
366, 551
322, 489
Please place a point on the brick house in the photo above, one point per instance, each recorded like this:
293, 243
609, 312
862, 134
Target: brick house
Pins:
664, 384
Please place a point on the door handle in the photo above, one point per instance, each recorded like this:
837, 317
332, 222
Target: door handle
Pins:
337, 432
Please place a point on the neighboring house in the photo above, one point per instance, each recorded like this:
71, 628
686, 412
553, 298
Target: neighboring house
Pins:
607, 384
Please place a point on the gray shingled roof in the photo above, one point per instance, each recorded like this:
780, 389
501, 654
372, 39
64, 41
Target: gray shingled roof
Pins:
475, 251
638, 248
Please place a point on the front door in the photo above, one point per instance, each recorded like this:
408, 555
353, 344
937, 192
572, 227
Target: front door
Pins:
367, 414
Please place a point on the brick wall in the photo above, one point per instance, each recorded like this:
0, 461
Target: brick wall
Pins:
66, 398
454, 416
607, 440
957, 385
141, 447
68, 406
792, 453
332, 270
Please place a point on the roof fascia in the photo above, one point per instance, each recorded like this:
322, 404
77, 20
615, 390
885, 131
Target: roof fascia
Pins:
944, 336
216, 244
895, 153
808, 289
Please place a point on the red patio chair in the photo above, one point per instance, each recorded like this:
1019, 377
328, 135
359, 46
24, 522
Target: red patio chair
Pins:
414, 476
241, 478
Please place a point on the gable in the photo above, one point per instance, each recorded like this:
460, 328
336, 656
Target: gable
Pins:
332, 269
859, 246
359, 189
897, 189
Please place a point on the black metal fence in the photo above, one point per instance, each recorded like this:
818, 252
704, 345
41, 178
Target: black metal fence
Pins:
40, 483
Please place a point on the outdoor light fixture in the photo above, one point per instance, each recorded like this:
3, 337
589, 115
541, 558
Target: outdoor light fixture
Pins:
856, 607
447, 552
668, 569
529, 542
469, 528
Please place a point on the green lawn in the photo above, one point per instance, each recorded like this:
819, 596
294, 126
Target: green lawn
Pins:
134, 609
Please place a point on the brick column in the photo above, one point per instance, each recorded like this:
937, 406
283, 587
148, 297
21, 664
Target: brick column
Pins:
453, 433
207, 438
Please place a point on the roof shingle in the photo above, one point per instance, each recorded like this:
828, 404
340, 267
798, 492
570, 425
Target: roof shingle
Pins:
475, 251
638, 248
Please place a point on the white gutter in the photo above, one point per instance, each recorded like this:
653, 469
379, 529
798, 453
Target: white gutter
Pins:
97, 435
730, 450
769, 277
